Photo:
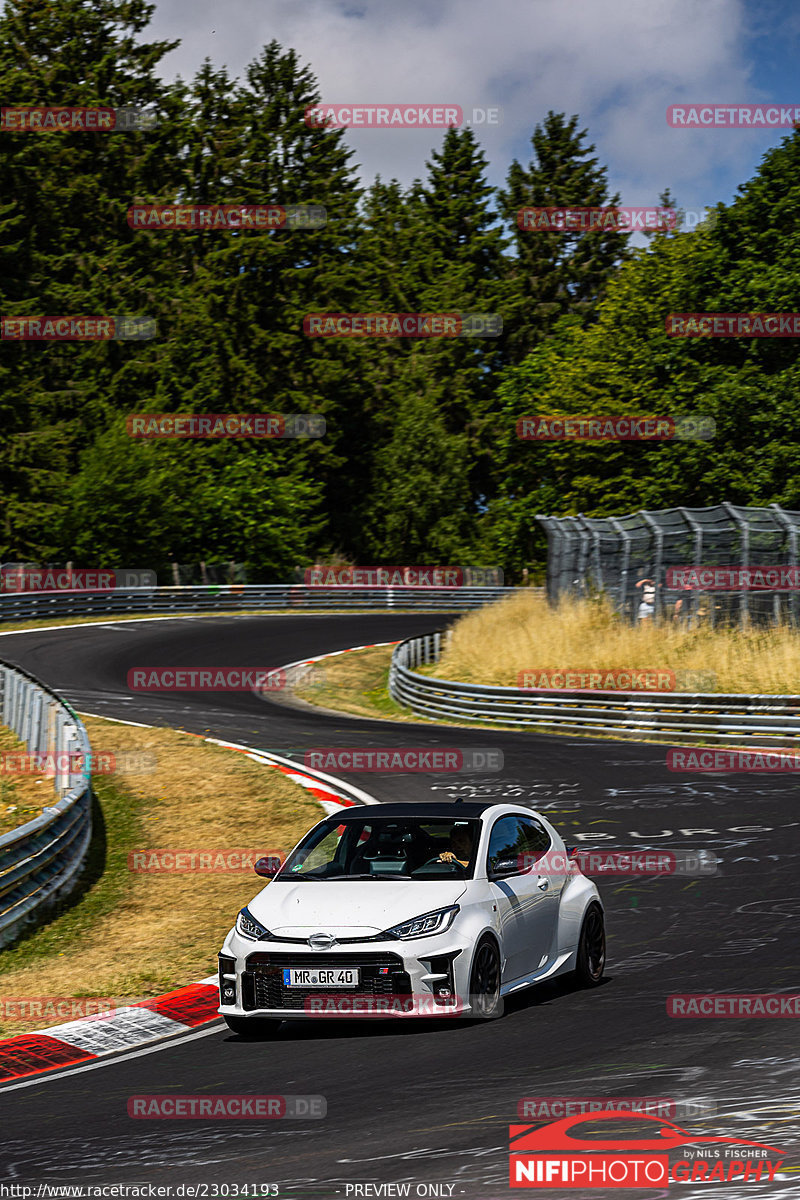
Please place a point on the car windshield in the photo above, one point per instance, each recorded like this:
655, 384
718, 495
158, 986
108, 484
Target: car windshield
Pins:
377, 848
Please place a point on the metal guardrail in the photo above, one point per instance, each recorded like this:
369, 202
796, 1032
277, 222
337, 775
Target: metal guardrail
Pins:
722, 719
40, 861
42, 605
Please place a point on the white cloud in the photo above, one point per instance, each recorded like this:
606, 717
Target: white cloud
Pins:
617, 65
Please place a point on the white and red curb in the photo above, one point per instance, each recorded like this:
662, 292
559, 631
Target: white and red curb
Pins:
135, 1025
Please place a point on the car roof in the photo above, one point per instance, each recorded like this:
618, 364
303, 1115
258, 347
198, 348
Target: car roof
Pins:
452, 810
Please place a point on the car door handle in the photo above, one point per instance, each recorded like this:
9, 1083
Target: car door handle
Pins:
543, 885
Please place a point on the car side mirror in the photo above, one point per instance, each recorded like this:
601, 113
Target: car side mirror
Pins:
268, 867
504, 867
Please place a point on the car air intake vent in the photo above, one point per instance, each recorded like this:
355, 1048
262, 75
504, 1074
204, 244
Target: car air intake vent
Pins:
263, 987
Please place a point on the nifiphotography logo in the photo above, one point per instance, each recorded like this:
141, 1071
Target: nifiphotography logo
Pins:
616, 1149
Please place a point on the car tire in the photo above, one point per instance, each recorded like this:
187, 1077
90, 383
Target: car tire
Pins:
591, 957
253, 1029
485, 1000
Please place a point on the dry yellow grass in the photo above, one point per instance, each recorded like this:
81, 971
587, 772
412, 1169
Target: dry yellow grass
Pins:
495, 643
353, 683
22, 797
162, 930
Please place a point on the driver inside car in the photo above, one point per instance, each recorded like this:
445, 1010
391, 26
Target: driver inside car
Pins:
460, 846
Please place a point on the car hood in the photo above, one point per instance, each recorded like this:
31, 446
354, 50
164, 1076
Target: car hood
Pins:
351, 909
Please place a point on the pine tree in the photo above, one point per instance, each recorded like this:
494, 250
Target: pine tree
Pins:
557, 273
63, 234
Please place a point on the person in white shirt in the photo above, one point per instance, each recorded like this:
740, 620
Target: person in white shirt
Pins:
648, 604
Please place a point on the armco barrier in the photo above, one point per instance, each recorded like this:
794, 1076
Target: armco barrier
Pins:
40, 861
724, 719
27, 606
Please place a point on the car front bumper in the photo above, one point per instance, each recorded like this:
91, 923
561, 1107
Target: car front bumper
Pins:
424, 977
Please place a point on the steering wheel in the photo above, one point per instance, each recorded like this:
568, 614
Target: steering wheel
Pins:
437, 862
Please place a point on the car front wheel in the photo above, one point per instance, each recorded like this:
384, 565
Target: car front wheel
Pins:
484, 984
253, 1028
591, 958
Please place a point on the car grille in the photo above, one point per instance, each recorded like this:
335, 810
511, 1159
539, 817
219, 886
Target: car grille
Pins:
262, 981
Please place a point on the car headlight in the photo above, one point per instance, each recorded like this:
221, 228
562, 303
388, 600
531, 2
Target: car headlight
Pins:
248, 927
432, 922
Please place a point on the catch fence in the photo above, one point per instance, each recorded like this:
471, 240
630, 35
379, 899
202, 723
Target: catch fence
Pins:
615, 555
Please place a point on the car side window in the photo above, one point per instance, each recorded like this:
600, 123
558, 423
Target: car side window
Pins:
503, 842
516, 842
534, 840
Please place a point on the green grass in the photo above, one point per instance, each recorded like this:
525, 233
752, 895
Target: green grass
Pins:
105, 880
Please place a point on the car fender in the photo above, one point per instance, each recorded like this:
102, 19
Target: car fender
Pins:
576, 896
478, 917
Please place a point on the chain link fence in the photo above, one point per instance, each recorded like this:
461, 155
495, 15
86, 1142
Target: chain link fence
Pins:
660, 560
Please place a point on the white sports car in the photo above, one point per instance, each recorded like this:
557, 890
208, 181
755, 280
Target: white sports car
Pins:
411, 910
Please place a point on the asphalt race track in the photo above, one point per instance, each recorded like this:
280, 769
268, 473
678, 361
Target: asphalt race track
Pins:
430, 1103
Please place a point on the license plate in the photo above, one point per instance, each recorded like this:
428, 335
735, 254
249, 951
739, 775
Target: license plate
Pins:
333, 977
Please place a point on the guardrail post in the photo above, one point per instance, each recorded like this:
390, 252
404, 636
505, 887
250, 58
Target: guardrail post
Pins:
35, 742
13, 691
27, 717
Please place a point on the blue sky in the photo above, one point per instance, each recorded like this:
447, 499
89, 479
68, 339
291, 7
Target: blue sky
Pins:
618, 65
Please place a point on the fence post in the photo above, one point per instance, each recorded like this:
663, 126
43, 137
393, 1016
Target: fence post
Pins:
791, 530
658, 560
744, 533
622, 594
697, 531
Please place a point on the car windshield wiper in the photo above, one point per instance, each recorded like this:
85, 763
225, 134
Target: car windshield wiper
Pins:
388, 875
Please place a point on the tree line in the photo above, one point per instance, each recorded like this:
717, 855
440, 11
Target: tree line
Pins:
420, 462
